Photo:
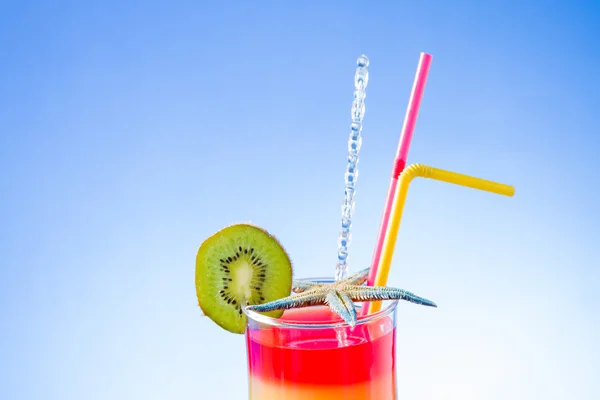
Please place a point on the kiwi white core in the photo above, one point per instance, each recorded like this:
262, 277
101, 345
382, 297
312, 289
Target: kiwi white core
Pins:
243, 277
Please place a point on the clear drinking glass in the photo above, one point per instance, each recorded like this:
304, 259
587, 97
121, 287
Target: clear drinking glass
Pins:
311, 353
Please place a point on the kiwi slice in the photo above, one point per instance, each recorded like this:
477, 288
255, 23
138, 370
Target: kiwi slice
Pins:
240, 264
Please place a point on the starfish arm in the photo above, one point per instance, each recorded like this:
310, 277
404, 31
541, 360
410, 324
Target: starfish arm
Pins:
339, 306
349, 306
374, 293
295, 301
357, 279
303, 286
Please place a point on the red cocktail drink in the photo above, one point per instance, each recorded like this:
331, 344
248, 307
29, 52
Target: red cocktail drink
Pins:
310, 353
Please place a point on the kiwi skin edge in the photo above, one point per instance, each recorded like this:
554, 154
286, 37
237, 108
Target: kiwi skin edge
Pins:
276, 284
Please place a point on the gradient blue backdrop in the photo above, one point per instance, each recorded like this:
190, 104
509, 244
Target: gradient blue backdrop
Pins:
131, 131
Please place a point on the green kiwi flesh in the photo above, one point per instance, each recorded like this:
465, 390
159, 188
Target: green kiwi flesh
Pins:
240, 264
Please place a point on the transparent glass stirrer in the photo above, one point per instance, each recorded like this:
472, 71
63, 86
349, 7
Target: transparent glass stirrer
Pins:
361, 79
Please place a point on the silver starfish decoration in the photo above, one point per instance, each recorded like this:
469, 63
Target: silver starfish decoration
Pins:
339, 296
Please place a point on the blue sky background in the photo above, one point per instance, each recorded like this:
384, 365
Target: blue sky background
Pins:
131, 131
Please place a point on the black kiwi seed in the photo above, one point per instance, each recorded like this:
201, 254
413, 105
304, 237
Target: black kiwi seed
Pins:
252, 250
245, 251
234, 302
229, 259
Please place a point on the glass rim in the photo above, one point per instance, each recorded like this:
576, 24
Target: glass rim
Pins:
388, 307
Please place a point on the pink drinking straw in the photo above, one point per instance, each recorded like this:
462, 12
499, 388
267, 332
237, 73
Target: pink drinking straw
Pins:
410, 120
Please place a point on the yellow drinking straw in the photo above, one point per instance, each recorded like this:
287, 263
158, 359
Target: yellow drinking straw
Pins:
423, 171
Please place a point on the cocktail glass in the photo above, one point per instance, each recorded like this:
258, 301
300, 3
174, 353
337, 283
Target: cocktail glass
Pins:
311, 353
